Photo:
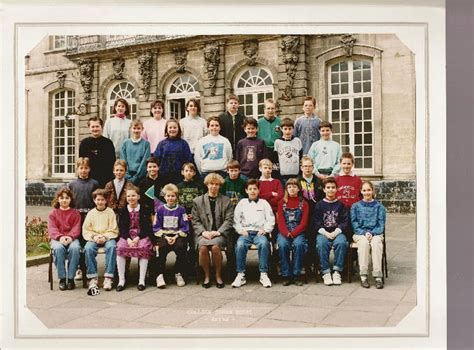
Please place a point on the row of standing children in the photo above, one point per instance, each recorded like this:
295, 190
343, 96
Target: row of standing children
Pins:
175, 151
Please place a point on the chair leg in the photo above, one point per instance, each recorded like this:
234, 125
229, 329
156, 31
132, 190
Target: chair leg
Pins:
349, 265
198, 268
82, 265
50, 270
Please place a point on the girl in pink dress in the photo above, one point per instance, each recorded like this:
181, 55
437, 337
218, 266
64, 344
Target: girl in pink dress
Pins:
135, 232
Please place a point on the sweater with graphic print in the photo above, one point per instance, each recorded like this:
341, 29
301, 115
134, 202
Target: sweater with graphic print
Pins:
289, 154
330, 216
249, 152
212, 153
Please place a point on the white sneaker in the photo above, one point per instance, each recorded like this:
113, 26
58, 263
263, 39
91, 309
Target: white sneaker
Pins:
93, 282
78, 275
239, 280
107, 283
336, 278
160, 281
179, 280
327, 279
264, 280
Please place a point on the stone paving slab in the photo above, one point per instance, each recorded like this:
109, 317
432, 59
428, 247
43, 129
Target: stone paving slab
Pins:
350, 318
270, 323
94, 322
306, 314
173, 317
222, 321
126, 312
314, 300
366, 304
156, 299
53, 320
48, 300
244, 308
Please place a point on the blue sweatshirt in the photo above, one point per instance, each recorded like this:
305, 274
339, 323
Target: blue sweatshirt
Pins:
172, 154
368, 217
135, 153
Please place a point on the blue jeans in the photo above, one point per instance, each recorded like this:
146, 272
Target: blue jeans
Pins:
242, 246
299, 247
323, 247
73, 251
110, 258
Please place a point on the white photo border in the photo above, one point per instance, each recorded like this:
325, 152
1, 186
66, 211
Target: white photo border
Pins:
430, 311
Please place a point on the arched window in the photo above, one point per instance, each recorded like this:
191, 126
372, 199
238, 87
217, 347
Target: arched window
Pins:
64, 133
351, 109
253, 87
123, 90
180, 91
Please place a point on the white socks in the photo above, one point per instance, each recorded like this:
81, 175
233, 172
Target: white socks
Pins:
121, 264
143, 264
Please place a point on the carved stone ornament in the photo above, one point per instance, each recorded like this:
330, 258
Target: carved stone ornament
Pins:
61, 76
348, 42
211, 63
118, 65
81, 109
251, 51
180, 57
145, 69
290, 55
86, 72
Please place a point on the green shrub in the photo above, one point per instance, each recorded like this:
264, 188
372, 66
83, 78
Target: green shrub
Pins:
37, 238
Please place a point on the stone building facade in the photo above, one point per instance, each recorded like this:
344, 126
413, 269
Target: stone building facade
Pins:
363, 83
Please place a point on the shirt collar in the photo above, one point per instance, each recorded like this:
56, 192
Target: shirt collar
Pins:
253, 200
262, 179
130, 209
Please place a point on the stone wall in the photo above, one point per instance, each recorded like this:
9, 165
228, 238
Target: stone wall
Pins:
396, 196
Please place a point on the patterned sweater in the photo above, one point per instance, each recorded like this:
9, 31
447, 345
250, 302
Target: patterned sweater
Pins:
249, 152
171, 221
330, 216
368, 217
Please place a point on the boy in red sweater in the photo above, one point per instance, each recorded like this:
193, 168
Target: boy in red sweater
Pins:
349, 186
270, 189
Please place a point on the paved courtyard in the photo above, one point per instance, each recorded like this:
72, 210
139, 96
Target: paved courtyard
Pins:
252, 306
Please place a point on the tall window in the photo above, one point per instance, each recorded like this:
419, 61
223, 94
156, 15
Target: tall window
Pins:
252, 88
57, 42
123, 90
351, 110
180, 91
64, 132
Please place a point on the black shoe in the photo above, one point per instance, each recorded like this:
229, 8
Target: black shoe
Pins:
378, 283
298, 281
141, 287
220, 285
119, 288
71, 285
62, 284
207, 285
365, 283
287, 281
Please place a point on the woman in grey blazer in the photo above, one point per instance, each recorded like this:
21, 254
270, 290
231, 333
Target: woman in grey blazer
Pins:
212, 218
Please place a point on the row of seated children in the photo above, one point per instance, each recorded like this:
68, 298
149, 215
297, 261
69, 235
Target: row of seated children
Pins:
325, 237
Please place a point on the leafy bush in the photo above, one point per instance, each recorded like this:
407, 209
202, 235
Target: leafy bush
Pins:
37, 238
